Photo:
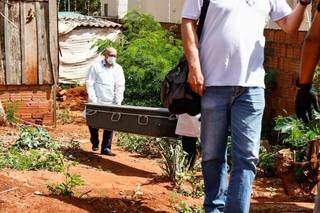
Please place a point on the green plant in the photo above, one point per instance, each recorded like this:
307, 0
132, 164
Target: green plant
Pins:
173, 160
146, 52
35, 137
34, 149
268, 159
66, 188
189, 184
11, 108
183, 207
294, 132
144, 145
65, 116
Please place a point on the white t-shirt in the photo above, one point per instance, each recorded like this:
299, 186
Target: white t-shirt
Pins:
232, 40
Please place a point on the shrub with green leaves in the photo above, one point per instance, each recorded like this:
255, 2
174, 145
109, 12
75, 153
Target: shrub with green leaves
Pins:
146, 52
33, 150
295, 134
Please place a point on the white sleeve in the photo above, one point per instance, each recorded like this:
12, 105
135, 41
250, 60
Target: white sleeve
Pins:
279, 9
119, 86
192, 9
91, 79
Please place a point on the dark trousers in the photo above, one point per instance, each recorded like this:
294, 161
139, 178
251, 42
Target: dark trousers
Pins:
189, 145
106, 141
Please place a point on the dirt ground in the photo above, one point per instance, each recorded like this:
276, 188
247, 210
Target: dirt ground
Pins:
124, 183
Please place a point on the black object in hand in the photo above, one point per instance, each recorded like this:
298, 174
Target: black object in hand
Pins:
305, 100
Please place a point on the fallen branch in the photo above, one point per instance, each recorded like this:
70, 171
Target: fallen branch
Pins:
9, 190
86, 193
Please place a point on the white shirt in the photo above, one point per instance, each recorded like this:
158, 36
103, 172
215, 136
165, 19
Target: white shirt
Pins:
232, 40
105, 85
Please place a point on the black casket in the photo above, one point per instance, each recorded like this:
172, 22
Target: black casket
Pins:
150, 121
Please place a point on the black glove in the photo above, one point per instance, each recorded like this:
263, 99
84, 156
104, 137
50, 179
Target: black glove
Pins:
305, 99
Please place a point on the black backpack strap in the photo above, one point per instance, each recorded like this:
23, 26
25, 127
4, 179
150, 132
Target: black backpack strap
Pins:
202, 18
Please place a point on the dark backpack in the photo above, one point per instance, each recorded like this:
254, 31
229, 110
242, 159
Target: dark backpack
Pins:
176, 93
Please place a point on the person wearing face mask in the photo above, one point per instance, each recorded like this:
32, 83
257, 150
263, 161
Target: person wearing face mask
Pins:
105, 85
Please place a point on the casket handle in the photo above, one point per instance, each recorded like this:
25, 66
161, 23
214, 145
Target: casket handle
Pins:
90, 112
115, 117
143, 120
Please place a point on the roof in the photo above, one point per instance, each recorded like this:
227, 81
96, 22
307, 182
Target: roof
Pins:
70, 20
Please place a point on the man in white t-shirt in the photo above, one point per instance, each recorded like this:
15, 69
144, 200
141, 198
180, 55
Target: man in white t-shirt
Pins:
226, 69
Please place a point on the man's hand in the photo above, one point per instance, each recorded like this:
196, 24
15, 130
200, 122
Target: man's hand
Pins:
196, 81
305, 99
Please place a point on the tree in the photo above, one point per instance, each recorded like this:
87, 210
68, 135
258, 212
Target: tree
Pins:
86, 7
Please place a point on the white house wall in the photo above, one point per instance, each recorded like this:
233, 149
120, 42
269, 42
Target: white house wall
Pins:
169, 11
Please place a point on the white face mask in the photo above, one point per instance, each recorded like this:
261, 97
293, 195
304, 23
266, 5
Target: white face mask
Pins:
111, 60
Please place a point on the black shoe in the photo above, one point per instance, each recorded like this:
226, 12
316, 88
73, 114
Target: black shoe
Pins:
95, 148
109, 153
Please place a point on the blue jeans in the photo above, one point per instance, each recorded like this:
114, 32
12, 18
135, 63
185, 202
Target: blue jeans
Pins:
241, 110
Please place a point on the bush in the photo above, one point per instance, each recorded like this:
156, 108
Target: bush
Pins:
146, 52
34, 149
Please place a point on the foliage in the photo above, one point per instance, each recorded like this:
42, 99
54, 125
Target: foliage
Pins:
65, 116
183, 207
11, 108
67, 187
173, 161
32, 159
294, 132
195, 183
33, 138
268, 160
87, 7
146, 52
34, 149
144, 145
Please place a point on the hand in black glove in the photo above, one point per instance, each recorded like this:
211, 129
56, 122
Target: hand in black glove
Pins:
305, 99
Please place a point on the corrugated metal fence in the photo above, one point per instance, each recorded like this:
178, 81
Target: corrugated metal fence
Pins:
28, 42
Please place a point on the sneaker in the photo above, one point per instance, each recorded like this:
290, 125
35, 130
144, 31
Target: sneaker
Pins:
95, 148
109, 153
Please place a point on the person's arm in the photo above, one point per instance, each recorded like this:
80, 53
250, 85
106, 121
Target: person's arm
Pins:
305, 98
119, 87
310, 52
291, 23
191, 50
91, 78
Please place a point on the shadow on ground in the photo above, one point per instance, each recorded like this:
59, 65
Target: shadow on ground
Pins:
108, 205
107, 164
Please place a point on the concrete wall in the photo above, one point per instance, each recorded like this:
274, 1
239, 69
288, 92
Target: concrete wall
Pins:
168, 11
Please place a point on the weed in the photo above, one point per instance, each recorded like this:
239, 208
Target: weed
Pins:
173, 160
183, 207
11, 108
144, 145
65, 116
34, 149
67, 187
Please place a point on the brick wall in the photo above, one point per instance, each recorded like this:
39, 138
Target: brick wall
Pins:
282, 54
32, 103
